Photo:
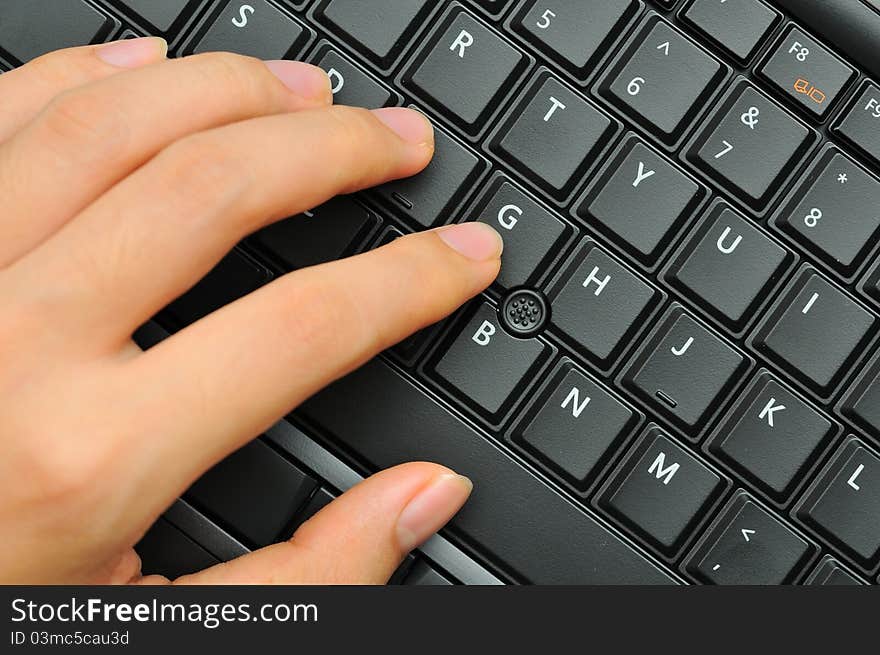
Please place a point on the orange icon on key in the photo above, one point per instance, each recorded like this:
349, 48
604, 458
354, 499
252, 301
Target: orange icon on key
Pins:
803, 87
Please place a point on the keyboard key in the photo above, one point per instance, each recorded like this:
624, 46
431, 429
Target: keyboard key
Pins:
379, 28
684, 370
510, 508
640, 185
431, 195
166, 550
161, 14
728, 265
465, 70
861, 124
748, 546
532, 234
601, 304
845, 502
30, 28
752, 144
872, 285
350, 84
831, 573
807, 72
258, 29
326, 233
738, 27
665, 80
836, 212
661, 490
577, 32
234, 277
554, 135
863, 403
255, 491
772, 435
816, 331
421, 573
576, 426
486, 365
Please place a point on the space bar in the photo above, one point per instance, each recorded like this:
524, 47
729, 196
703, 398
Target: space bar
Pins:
540, 536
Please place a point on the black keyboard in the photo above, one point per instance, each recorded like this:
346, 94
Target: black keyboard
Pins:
690, 188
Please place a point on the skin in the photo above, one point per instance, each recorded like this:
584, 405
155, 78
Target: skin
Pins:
125, 178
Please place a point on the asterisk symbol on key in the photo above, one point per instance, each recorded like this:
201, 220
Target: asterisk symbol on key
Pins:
843, 178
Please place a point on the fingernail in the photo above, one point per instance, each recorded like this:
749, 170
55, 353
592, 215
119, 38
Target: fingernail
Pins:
431, 509
476, 241
410, 125
302, 79
132, 53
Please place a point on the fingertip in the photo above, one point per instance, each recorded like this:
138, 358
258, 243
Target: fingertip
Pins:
304, 80
410, 125
133, 53
477, 241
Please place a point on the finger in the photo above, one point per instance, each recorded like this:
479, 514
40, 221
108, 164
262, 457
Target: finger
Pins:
29, 88
292, 338
191, 204
359, 538
89, 138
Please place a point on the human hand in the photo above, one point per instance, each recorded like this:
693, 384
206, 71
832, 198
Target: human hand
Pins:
125, 178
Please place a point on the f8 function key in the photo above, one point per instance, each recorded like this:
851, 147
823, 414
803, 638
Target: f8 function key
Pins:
807, 72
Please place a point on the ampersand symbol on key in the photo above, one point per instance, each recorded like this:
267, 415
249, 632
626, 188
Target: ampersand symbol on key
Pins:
750, 118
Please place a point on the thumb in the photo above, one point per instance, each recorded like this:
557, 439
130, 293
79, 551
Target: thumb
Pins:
359, 538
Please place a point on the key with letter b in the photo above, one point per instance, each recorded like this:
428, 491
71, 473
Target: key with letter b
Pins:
486, 365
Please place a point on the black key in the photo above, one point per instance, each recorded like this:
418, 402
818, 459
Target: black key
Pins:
577, 424
258, 29
326, 233
684, 370
863, 403
378, 27
531, 233
807, 72
665, 79
150, 334
641, 201
319, 500
661, 490
844, 503
738, 27
577, 32
748, 546
255, 491
350, 84
30, 28
836, 212
161, 14
816, 330
486, 365
772, 435
166, 550
234, 277
510, 508
872, 285
422, 573
431, 195
601, 304
554, 134
830, 572
729, 264
466, 69
751, 144
861, 124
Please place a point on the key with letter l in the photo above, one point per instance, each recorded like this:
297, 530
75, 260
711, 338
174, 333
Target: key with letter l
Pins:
844, 502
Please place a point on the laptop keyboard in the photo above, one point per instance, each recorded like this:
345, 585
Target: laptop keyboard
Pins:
688, 192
